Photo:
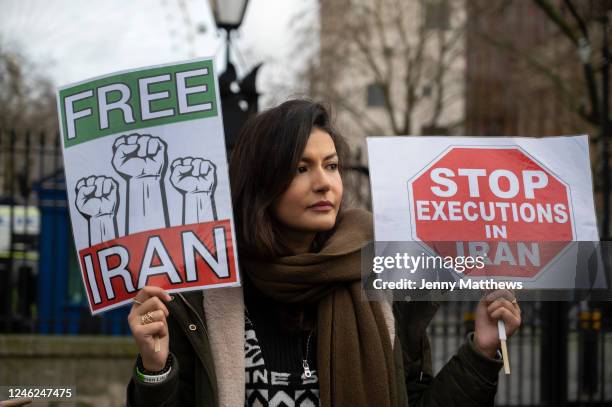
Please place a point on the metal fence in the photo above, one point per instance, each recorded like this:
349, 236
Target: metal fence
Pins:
561, 356
549, 368
39, 275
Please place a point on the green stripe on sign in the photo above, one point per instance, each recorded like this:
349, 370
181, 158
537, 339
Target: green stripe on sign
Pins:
134, 100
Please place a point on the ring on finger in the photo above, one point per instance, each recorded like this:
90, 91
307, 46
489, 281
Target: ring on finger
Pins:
136, 301
147, 318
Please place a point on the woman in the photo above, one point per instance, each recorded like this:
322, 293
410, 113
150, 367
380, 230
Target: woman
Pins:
297, 331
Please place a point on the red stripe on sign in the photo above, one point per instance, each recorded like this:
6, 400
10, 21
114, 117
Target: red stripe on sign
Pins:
181, 257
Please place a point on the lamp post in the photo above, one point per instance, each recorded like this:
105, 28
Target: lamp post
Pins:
237, 106
228, 17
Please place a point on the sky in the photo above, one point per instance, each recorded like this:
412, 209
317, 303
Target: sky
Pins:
71, 40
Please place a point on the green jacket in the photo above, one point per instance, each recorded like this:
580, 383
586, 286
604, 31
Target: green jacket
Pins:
469, 379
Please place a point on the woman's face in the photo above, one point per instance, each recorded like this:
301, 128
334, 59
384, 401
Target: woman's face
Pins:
311, 202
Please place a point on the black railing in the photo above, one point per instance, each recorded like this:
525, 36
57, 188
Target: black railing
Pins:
547, 370
40, 279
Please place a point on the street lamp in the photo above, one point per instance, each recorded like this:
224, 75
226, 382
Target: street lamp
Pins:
228, 17
239, 105
228, 13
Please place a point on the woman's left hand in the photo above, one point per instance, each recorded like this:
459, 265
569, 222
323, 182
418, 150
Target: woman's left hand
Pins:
499, 304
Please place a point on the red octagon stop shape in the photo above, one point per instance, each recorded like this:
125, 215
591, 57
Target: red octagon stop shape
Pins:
494, 200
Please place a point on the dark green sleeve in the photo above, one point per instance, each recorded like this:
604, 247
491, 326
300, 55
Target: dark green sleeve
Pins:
164, 394
469, 379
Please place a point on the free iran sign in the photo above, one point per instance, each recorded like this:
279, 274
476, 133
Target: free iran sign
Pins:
147, 182
498, 203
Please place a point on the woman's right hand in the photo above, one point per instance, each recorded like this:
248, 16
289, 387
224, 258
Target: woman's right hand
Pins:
152, 299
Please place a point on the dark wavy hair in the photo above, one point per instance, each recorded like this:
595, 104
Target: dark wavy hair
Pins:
262, 166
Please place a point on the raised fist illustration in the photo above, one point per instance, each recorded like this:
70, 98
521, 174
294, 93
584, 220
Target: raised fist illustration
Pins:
193, 175
97, 196
137, 156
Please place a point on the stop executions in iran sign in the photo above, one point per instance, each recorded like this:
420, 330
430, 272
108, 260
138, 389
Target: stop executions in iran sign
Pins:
498, 203
519, 201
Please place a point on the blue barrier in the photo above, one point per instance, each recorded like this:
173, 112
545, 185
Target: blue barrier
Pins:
58, 311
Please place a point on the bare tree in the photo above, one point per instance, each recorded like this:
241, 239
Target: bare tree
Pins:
537, 52
406, 53
27, 114
548, 62
27, 98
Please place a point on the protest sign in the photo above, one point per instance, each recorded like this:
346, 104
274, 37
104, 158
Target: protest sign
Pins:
516, 202
147, 181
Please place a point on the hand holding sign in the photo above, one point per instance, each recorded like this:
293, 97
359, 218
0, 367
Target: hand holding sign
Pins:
497, 305
151, 301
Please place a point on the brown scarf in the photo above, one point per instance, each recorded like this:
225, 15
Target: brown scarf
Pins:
355, 361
